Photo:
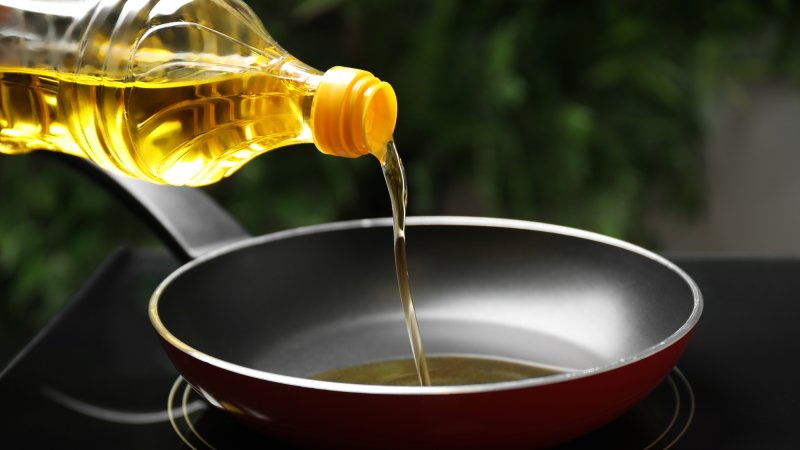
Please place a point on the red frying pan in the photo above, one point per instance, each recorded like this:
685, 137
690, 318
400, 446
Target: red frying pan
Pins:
247, 320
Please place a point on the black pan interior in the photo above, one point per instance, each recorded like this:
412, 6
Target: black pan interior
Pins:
311, 302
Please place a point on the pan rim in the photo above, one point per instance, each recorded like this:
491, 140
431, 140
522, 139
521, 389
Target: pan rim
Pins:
464, 221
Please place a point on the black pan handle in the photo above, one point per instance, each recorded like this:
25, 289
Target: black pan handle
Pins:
188, 221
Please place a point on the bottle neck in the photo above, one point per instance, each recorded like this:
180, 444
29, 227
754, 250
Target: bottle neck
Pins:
353, 113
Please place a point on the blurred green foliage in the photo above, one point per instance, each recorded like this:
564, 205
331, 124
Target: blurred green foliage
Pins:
586, 114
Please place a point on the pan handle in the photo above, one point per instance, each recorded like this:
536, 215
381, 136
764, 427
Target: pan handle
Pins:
187, 220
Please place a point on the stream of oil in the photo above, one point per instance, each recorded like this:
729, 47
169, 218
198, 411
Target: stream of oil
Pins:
395, 177
421, 370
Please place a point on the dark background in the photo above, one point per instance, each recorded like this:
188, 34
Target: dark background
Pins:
590, 114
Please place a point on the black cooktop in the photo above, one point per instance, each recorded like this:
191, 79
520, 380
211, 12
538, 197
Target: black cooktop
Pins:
96, 377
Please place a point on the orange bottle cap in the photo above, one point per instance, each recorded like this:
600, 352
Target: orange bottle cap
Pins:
353, 113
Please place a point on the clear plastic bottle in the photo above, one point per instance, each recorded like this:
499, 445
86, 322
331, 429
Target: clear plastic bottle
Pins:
181, 92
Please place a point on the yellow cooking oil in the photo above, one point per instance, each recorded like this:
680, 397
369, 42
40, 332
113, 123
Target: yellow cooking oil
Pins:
184, 133
444, 370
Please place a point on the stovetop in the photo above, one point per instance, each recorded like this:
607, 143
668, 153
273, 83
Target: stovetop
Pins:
96, 376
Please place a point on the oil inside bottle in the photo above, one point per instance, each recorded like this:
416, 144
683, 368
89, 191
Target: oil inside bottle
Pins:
190, 132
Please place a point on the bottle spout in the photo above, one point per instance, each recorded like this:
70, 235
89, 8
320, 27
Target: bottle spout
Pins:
353, 113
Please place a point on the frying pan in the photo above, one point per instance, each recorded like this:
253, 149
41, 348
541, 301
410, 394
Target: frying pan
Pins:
248, 319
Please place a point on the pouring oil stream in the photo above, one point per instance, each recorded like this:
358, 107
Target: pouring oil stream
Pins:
396, 182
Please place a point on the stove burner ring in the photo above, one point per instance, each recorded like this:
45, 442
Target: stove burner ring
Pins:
676, 380
676, 414
114, 414
186, 415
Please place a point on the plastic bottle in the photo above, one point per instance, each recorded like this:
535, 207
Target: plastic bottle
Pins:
181, 92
